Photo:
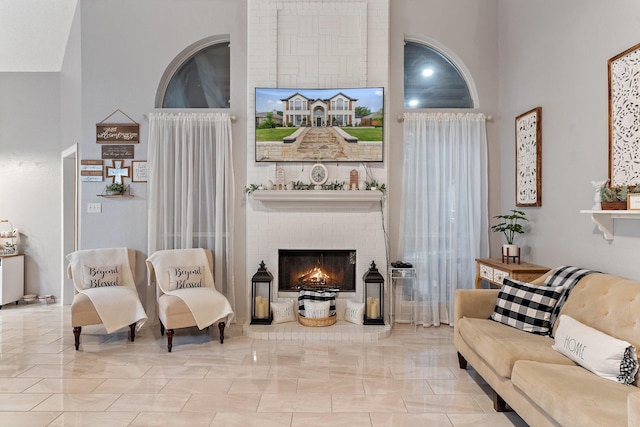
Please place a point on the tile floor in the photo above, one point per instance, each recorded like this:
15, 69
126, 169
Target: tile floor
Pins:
410, 378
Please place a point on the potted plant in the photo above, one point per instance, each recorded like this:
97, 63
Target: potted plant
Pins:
615, 198
510, 225
115, 188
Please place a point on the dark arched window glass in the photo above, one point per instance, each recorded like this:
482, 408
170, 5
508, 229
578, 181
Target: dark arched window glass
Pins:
199, 77
431, 80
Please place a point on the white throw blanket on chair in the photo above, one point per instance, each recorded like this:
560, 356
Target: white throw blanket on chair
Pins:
207, 305
117, 306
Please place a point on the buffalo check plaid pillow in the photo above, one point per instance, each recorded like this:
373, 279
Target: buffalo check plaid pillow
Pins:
526, 307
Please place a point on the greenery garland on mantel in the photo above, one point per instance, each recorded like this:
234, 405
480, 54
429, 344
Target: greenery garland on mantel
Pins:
336, 185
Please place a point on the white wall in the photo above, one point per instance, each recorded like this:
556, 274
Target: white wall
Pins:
554, 54
30, 178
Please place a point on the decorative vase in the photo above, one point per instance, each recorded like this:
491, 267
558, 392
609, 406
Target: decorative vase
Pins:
510, 250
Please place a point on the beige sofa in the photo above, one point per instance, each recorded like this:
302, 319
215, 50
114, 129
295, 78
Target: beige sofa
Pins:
544, 387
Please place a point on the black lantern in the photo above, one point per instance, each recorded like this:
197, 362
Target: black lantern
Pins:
373, 296
261, 296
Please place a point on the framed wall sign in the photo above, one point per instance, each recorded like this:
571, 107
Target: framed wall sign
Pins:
128, 133
139, 171
624, 122
633, 201
117, 151
529, 158
91, 170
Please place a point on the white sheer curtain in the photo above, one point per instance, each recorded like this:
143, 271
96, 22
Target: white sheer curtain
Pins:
444, 223
191, 188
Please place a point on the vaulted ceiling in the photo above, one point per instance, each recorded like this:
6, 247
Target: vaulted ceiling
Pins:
34, 34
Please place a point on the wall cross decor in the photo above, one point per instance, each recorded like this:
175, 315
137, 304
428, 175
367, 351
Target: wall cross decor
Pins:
117, 171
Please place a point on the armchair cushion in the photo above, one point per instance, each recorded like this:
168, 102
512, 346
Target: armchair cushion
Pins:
98, 276
185, 277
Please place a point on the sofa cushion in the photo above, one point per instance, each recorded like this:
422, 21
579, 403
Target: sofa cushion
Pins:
526, 307
609, 304
571, 395
604, 355
501, 346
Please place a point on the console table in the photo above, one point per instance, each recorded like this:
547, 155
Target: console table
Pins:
494, 270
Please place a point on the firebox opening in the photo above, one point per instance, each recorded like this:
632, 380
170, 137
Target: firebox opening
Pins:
313, 269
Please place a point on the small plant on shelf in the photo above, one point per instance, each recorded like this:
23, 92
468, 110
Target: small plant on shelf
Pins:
116, 188
615, 198
375, 185
251, 188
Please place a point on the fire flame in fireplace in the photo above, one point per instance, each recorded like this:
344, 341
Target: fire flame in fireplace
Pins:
315, 277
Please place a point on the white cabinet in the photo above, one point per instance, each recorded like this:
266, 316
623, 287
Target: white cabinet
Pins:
11, 279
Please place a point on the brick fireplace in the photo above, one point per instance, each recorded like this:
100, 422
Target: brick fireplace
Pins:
311, 44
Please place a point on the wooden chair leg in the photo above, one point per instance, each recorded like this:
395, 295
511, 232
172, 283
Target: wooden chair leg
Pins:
169, 339
221, 326
132, 331
462, 362
161, 329
499, 405
76, 335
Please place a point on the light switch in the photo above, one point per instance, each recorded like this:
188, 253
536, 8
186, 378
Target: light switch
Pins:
94, 207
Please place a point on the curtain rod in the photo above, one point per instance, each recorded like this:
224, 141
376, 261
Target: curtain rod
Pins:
400, 118
233, 117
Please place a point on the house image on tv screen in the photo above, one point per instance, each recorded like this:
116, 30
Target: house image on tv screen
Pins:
339, 110
319, 124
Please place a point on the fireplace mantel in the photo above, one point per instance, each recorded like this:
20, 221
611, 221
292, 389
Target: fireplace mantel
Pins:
318, 199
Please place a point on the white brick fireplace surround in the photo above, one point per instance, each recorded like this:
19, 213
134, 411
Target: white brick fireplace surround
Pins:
315, 44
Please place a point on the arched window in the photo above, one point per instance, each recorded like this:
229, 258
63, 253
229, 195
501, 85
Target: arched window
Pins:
199, 77
433, 80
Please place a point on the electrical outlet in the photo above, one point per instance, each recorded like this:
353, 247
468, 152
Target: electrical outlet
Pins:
94, 207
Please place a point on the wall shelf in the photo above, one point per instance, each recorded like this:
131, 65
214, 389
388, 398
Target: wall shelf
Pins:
604, 220
318, 199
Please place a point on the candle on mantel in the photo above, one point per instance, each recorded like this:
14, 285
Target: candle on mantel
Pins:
369, 303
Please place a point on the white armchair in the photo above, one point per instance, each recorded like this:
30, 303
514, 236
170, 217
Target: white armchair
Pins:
105, 291
186, 292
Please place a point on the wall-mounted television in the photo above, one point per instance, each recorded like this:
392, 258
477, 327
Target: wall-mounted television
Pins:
314, 125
